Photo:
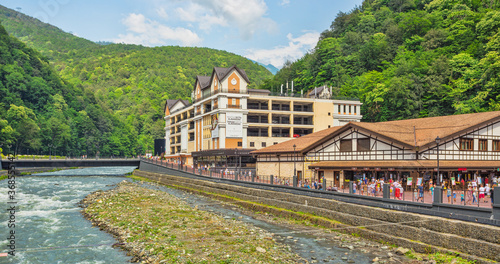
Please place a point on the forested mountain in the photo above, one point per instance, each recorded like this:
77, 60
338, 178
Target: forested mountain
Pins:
39, 110
408, 58
130, 81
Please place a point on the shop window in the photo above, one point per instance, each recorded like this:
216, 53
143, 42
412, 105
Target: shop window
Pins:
252, 144
345, 145
363, 144
483, 145
263, 144
496, 145
466, 144
240, 144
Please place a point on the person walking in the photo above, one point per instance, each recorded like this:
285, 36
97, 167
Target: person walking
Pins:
481, 193
420, 193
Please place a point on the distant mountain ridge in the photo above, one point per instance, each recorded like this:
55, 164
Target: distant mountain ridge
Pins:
131, 80
269, 67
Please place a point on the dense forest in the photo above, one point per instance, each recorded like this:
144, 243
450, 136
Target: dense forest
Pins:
408, 58
120, 88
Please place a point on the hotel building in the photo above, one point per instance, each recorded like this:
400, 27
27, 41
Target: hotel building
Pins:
226, 120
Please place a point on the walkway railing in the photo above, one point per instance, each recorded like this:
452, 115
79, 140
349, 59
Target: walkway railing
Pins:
464, 199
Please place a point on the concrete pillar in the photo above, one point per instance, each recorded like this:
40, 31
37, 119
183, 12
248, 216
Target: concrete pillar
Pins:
272, 180
253, 177
295, 181
236, 175
210, 173
351, 187
324, 184
386, 191
438, 195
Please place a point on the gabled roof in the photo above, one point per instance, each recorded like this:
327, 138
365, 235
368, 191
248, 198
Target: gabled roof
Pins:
223, 72
301, 143
317, 90
171, 102
422, 132
203, 80
419, 133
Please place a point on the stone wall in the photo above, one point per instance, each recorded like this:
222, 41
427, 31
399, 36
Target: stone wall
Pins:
421, 232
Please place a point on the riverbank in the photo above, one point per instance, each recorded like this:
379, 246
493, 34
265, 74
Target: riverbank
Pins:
156, 227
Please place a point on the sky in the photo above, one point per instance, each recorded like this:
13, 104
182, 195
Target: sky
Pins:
267, 31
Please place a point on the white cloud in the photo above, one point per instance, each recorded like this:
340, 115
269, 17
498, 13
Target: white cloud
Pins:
247, 16
149, 33
285, 2
277, 56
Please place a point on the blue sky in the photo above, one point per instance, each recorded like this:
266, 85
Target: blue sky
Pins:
269, 32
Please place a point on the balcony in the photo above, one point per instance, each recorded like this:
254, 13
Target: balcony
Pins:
281, 132
258, 119
303, 108
279, 119
281, 107
208, 94
257, 105
234, 106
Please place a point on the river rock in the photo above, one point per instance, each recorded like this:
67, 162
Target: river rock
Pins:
375, 260
261, 250
402, 251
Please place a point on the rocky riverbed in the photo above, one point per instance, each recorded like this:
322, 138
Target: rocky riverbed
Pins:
156, 227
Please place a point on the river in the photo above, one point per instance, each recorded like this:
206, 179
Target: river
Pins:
50, 228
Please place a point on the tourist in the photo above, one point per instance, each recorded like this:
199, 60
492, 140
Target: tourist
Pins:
448, 193
481, 193
420, 193
431, 190
487, 190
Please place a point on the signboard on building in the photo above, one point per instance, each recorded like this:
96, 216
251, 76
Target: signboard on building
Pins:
234, 125
215, 126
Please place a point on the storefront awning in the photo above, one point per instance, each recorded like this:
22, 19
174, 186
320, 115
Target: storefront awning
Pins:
407, 164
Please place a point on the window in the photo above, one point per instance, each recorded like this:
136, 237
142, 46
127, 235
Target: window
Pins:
275, 143
363, 144
240, 144
483, 145
329, 114
233, 101
252, 144
339, 109
328, 126
466, 144
263, 144
496, 145
350, 109
345, 145
344, 109
355, 109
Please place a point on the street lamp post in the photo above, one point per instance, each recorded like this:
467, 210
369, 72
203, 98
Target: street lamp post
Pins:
50, 151
437, 143
294, 159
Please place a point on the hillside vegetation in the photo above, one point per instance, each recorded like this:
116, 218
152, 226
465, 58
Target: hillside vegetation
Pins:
408, 58
130, 82
40, 113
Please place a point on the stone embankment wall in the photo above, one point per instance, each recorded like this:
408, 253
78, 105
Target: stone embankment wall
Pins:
421, 233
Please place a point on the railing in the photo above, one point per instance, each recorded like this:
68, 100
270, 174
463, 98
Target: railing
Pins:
209, 94
374, 190
234, 106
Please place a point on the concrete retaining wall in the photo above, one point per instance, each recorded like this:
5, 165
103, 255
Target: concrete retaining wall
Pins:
421, 232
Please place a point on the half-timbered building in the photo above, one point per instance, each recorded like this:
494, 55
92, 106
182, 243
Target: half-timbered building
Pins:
460, 147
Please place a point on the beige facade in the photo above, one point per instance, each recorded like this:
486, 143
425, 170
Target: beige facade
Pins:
225, 114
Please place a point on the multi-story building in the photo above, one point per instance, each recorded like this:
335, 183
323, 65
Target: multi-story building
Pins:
227, 120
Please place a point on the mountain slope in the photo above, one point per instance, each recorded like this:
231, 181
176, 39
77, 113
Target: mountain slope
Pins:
408, 58
40, 113
133, 81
